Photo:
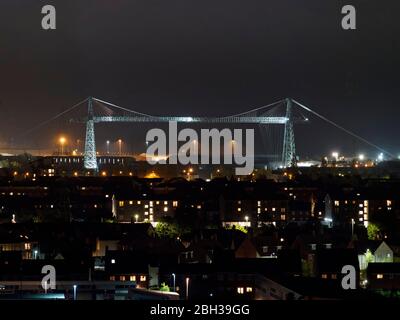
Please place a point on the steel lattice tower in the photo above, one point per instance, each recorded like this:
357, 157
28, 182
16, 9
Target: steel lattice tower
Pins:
288, 151
289, 147
90, 159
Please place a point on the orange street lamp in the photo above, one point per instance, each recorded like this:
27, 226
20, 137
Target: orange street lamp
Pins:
62, 141
120, 146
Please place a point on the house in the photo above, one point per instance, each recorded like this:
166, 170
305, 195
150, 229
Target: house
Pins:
372, 251
202, 251
383, 276
329, 263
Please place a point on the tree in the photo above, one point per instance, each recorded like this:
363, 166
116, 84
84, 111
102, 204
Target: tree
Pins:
237, 227
167, 230
373, 231
369, 257
164, 287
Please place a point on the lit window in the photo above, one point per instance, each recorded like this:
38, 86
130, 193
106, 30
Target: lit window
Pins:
239, 209
334, 276
389, 203
151, 203
165, 202
365, 203
112, 278
131, 202
151, 218
273, 209
151, 210
27, 246
283, 217
249, 289
240, 290
132, 278
165, 209
258, 210
139, 202
146, 206
112, 261
121, 203
199, 207
142, 278
175, 203
379, 276
336, 203
259, 203
360, 205
122, 278
324, 276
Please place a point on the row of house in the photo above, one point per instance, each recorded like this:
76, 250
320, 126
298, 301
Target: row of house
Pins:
218, 263
216, 202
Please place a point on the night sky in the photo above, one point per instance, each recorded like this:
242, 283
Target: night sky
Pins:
208, 57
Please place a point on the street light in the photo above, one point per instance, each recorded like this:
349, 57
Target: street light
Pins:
136, 218
62, 141
174, 276
361, 157
352, 227
35, 254
108, 146
75, 286
187, 288
120, 146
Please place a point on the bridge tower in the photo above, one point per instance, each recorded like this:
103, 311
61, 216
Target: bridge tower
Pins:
90, 159
289, 147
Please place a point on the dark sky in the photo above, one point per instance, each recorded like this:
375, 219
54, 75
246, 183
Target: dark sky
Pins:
208, 57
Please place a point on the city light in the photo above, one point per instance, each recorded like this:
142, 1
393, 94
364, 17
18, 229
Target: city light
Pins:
174, 277
187, 288
335, 155
75, 286
380, 157
62, 142
120, 146
361, 157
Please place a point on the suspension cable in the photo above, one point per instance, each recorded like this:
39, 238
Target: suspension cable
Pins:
341, 128
52, 119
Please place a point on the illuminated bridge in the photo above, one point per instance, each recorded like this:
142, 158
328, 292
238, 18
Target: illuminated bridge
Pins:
283, 112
